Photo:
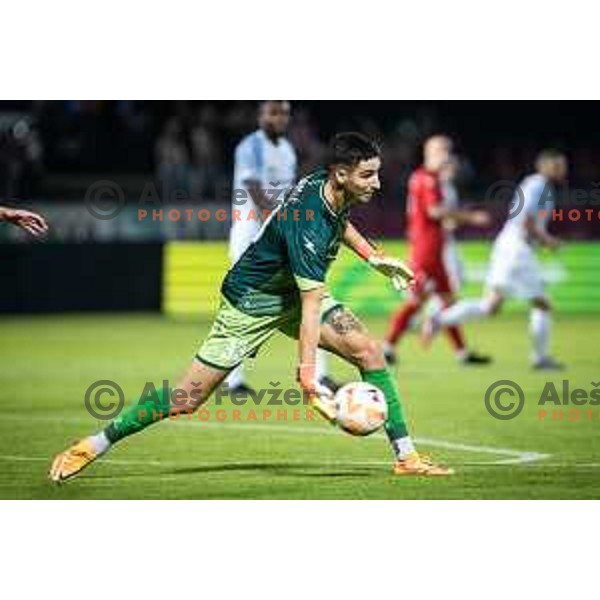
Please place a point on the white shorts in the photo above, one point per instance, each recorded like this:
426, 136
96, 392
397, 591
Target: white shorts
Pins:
454, 266
240, 237
514, 270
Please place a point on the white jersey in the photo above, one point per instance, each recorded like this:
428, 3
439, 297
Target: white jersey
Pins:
449, 195
514, 269
272, 165
452, 259
450, 202
536, 194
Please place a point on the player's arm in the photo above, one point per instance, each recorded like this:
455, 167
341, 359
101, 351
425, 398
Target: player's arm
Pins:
393, 268
459, 217
358, 243
308, 339
539, 234
436, 210
319, 395
30, 221
533, 199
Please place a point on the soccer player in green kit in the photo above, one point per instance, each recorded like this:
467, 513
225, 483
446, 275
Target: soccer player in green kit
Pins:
279, 285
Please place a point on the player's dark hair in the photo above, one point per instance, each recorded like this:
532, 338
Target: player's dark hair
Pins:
350, 148
262, 103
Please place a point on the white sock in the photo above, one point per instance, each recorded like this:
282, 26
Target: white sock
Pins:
403, 447
462, 311
539, 327
236, 377
321, 370
100, 442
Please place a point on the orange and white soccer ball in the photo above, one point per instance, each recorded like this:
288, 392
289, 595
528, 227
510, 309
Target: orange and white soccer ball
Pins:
361, 408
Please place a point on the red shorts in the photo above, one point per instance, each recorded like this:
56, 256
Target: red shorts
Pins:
431, 278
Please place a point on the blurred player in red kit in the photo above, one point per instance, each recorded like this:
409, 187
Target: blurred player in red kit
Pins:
427, 215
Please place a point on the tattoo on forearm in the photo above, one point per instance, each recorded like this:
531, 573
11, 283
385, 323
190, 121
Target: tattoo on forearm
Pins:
343, 321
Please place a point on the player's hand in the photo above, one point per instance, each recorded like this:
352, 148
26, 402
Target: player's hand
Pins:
480, 218
552, 243
321, 398
30, 221
307, 378
402, 277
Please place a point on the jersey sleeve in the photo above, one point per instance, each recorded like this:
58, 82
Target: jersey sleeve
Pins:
307, 252
293, 160
535, 196
248, 161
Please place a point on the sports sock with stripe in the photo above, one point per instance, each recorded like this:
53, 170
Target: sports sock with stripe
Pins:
395, 426
137, 417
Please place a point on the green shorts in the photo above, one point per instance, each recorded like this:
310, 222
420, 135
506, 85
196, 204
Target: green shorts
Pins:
236, 335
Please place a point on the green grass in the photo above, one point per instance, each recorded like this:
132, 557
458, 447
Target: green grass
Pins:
47, 363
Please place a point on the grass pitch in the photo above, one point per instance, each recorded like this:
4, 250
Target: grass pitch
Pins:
47, 363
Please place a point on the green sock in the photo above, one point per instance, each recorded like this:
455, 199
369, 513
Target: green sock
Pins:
395, 425
147, 410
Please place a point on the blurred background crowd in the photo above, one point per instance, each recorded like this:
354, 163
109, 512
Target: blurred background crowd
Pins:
54, 150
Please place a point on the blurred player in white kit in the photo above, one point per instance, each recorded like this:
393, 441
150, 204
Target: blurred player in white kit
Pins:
265, 167
514, 269
452, 259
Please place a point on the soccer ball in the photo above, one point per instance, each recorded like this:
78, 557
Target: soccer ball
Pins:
361, 408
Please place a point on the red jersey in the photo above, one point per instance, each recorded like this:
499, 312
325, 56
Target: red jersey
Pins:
425, 235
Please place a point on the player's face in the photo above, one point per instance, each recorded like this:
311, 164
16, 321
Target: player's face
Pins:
361, 181
438, 153
559, 169
441, 155
275, 117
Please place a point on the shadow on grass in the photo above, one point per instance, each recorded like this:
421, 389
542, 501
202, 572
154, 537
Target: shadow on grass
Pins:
281, 469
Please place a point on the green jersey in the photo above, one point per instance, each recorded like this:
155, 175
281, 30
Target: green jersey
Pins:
292, 251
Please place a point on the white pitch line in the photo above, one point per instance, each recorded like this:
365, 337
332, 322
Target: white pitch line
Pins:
512, 456
516, 456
